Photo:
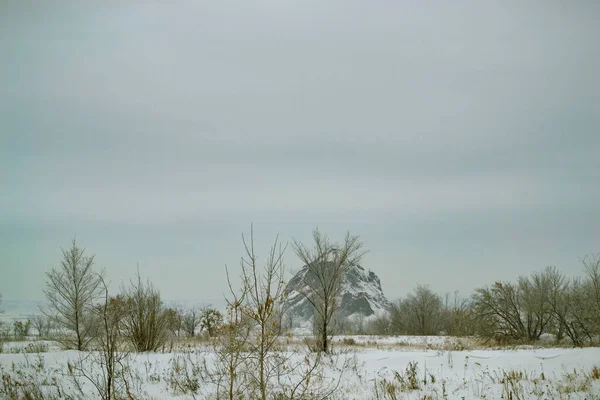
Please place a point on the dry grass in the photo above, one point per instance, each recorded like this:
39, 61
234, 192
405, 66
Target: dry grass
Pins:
595, 374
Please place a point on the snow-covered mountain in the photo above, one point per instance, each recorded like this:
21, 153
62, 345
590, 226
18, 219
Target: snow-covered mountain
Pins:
361, 296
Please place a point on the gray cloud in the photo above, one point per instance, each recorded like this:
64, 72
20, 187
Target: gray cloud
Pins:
458, 139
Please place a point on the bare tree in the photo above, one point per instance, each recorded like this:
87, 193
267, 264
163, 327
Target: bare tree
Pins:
457, 315
326, 265
567, 303
515, 311
210, 320
422, 311
190, 321
535, 310
498, 311
42, 324
107, 369
71, 291
397, 323
249, 361
174, 316
264, 297
591, 264
146, 323
231, 347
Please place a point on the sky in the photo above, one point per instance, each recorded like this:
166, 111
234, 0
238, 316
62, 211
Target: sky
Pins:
458, 139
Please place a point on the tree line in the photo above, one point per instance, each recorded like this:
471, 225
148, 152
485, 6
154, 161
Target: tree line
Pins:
546, 302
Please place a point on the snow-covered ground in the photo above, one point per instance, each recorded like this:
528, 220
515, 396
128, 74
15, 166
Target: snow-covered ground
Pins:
376, 367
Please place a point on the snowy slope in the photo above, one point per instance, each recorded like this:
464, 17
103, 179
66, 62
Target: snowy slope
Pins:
552, 373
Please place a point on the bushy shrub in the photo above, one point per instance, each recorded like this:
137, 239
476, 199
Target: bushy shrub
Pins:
21, 329
146, 323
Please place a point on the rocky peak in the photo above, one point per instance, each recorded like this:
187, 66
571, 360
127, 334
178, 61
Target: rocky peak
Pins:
361, 295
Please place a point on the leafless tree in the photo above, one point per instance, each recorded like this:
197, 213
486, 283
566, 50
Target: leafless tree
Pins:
381, 325
567, 301
146, 323
107, 369
42, 324
457, 315
174, 316
190, 321
71, 291
211, 320
515, 311
231, 346
326, 265
264, 297
397, 323
422, 311
497, 309
591, 264
535, 310
249, 362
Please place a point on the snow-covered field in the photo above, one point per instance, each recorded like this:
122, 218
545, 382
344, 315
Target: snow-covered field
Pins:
369, 367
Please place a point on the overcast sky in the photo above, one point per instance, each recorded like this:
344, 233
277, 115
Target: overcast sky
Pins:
459, 139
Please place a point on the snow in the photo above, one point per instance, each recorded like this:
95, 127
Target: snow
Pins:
472, 374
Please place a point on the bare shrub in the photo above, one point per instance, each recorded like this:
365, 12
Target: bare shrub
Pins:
231, 347
146, 323
21, 329
380, 325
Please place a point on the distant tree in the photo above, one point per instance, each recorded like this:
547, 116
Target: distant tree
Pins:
567, 301
71, 291
21, 329
397, 322
591, 264
520, 311
42, 324
190, 322
535, 310
422, 311
211, 320
174, 316
498, 311
457, 317
380, 325
327, 263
